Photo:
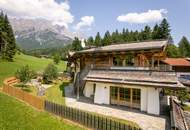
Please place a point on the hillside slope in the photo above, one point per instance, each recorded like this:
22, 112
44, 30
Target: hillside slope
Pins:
15, 115
8, 69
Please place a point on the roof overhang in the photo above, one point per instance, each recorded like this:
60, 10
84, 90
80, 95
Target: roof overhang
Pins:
125, 47
146, 79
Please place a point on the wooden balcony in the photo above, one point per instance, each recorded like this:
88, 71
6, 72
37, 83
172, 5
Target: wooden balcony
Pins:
163, 68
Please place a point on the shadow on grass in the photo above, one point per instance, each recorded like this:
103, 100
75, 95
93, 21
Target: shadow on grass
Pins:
20, 85
23, 87
26, 89
62, 86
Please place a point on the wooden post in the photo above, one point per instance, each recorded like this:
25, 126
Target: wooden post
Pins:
118, 95
124, 62
131, 97
158, 63
152, 62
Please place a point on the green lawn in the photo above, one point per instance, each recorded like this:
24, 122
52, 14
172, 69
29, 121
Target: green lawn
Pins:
186, 108
15, 115
30, 89
8, 69
56, 93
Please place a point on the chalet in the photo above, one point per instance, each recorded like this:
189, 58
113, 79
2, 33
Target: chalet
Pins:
177, 64
124, 74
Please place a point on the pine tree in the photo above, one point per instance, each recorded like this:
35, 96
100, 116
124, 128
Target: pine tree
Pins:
2, 34
7, 39
11, 46
164, 29
90, 41
115, 37
184, 47
107, 40
156, 32
172, 51
98, 40
76, 45
126, 35
146, 33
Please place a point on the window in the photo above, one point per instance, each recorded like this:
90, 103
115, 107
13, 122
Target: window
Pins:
117, 61
125, 94
129, 60
114, 91
136, 95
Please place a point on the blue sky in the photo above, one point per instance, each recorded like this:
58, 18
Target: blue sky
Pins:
92, 16
105, 13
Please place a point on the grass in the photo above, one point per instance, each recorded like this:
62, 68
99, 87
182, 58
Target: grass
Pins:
186, 108
15, 115
30, 89
8, 69
56, 93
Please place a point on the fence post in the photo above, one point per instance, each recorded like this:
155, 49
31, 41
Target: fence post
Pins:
85, 118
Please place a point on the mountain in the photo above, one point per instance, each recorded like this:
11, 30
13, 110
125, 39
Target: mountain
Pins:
40, 34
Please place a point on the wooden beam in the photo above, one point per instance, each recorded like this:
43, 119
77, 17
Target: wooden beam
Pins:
152, 62
118, 96
131, 97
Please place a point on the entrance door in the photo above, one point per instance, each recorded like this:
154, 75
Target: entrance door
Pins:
125, 96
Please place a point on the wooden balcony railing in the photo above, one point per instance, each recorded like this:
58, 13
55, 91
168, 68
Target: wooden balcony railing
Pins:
157, 68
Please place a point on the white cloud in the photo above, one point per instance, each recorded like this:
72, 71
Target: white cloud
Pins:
86, 21
50, 10
144, 17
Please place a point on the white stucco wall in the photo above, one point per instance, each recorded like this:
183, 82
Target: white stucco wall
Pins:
88, 90
153, 104
144, 96
102, 94
149, 95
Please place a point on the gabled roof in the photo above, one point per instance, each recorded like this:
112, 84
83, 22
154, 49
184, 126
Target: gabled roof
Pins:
145, 78
128, 47
177, 61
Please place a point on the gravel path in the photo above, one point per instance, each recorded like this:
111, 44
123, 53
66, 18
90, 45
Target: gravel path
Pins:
145, 121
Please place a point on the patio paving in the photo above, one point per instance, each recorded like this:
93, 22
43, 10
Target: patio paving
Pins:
144, 120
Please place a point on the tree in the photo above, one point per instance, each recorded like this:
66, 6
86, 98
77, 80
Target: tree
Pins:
56, 58
184, 47
7, 39
183, 95
156, 32
90, 41
25, 74
172, 51
107, 39
115, 37
98, 40
164, 29
76, 45
11, 47
146, 33
50, 73
126, 35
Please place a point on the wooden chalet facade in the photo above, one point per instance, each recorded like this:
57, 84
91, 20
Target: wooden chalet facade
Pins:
124, 74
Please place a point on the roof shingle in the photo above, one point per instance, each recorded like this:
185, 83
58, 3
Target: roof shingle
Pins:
128, 47
176, 61
146, 78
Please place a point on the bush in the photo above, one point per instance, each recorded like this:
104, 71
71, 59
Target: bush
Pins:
50, 73
56, 58
25, 74
182, 95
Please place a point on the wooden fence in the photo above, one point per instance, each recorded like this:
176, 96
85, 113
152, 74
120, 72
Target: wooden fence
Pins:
22, 95
86, 119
